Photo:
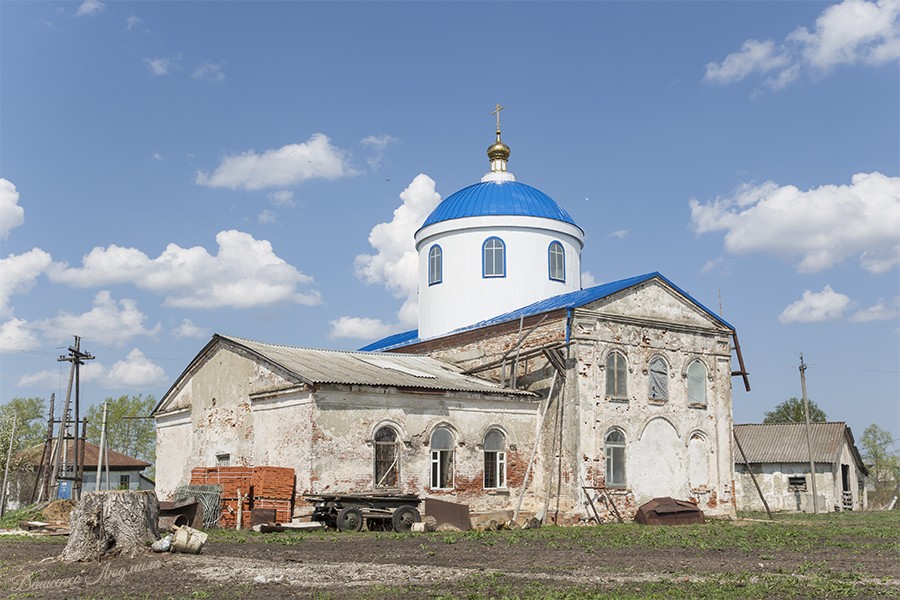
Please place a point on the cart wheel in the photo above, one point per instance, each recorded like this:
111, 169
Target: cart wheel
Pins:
350, 519
404, 517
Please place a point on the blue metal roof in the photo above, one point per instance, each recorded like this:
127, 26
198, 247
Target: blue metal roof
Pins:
562, 301
498, 198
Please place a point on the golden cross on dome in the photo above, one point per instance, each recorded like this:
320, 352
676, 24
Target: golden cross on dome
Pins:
497, 112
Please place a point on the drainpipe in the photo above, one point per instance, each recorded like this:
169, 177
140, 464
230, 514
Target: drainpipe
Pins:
568, 324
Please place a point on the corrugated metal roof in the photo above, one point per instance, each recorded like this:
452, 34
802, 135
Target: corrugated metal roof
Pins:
786, 442
369, 368
562, 301
498, 198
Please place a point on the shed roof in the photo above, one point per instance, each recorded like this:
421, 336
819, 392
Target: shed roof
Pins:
786, 442
316, 367
117, 460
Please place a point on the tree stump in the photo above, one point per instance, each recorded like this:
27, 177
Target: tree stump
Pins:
116, 523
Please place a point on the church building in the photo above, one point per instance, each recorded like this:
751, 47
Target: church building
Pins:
519, 390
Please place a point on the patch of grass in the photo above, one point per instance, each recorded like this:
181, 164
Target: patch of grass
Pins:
10, 519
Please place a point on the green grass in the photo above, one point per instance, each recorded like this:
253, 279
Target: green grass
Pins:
10, 519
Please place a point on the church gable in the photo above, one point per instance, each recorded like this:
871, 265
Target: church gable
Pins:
655, 301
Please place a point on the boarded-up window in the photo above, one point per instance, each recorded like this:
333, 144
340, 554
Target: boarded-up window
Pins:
616, 378
387, 458
696, 376
659, 379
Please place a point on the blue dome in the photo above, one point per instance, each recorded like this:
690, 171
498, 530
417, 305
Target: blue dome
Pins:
498, 198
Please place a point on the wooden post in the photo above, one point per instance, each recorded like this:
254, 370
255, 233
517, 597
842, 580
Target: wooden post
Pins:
752, 476
812, 461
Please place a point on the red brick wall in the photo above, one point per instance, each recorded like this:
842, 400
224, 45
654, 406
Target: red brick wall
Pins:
260, 487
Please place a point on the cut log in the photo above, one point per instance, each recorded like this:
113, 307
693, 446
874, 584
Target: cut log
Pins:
113, 523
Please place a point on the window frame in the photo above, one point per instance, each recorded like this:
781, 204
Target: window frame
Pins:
561, 254
616, 475
615, 372
442, 461
435, 257
378, 462
695, 385
494, 477
502, 249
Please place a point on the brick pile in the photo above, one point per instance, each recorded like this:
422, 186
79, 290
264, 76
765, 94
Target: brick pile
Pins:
260, 487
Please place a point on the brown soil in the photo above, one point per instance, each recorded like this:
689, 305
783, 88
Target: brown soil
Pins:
373, 566
58, 511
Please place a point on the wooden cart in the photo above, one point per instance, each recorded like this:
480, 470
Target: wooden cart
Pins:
379, 512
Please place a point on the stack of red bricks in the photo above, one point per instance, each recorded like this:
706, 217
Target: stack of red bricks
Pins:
259, 487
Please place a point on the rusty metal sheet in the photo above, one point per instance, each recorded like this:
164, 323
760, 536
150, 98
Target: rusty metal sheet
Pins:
448, 512
669, 511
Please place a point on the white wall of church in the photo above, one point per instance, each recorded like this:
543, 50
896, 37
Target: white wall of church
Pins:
464, 296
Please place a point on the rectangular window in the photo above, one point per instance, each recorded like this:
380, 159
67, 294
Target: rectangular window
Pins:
442, 469
797, 483
615, 466
223, 460
494, 470
124, 482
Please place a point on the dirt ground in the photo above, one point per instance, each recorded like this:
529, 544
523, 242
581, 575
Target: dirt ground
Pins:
415, 566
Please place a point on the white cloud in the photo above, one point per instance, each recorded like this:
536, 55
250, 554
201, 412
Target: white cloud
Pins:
288, 165
854, 31
158, 156
11, 214
17, 336
282, 197
267, 216
876, 312
161, 66
108, 322
619, 233
89, 7
376, 144
820, 227
362, 328
19, 273
588, 280
131, 21
187, 329
244, 273
395, 264
135, 372
813, 307
754, 55
210, 72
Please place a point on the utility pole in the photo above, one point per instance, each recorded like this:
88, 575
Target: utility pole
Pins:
812, 462
76, 357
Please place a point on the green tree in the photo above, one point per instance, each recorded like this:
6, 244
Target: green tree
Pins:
883, 463
127, 429
30, 430
791, 411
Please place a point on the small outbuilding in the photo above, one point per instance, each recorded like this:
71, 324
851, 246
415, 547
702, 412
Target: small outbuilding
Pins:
778, 455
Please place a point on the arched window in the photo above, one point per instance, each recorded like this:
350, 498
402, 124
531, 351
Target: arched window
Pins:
659, 379
493, 258
615, 458
435, 265
441, 458
494, 459
557, 259
616, 378
696, 375
387, 458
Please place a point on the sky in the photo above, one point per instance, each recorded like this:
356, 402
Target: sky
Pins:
170, 170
